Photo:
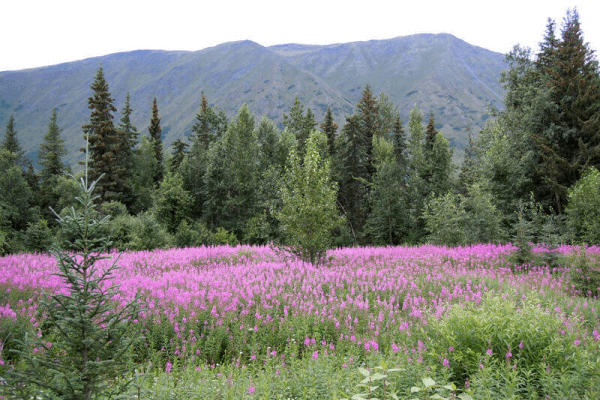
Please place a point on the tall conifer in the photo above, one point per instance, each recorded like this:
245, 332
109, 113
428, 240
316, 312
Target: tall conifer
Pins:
329, 128
11, 143
104, 142
51, 151
156, 138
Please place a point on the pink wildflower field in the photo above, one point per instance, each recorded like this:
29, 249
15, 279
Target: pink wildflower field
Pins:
213, 304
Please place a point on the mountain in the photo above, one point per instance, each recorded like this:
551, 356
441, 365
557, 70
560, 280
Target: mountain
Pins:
441, 73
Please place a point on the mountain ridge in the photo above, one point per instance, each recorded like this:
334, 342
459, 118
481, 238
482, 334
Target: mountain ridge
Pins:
437, 72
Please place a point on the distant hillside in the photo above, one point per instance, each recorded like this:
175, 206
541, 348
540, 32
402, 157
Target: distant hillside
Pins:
437, 72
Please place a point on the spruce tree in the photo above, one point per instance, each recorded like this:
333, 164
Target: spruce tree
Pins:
156, 138
179, 153
210, 125
128, 133
430, 133
104, 143
299, 124
88, 355
11, 143
399, 141
51, 151
352, 173
329, 128
572, 137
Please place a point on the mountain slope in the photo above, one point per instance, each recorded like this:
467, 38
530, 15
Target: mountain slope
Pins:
439, 72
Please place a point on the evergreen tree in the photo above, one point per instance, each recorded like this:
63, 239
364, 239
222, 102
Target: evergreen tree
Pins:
209, 128
83, 353
329, 128
416, 172
209, 125
11, 143
399, 142
299, 124
104, 144
387, 220
231, 175
430, 134
352, 173
128, 134
179, 153
51, 151
16, 196
156, 138
572, 137
369, 125
388, 115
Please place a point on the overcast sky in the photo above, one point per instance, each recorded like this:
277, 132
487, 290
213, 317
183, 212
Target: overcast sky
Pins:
44, 32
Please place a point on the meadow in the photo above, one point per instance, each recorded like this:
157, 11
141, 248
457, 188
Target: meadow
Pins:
395, 322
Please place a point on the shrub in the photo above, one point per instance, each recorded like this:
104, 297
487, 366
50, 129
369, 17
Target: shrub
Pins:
193, 235
500, 330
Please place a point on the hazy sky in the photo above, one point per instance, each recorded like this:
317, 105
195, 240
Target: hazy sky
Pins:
44, 32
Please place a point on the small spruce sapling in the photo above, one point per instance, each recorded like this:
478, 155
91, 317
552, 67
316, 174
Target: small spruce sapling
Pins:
85, 349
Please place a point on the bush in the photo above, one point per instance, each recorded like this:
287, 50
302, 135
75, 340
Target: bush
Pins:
140, 232
584, 208
38, 237
500, 330
193, 235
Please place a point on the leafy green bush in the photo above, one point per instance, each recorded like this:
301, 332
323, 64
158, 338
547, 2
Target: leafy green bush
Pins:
501, 330
584, 208
38, 236
193, 235
140, 232
584, 273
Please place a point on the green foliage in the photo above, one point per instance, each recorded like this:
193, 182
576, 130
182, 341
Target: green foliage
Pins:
145, 167
88, 338
104, 142
172, 203
309, 213
388, 217
38, 237
432, 390
454, 219
15, 193
584, 208
375, 385
11, 143
223, 236
193, 234
585, 273
139, 232
524, 334
155, 132
52, 150
299, 124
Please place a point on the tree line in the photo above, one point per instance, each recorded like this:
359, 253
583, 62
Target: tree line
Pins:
530, 175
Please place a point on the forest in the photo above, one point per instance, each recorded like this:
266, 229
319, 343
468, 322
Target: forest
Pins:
530, 176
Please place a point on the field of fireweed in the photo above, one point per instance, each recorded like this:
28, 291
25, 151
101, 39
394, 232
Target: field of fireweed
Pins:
244, 322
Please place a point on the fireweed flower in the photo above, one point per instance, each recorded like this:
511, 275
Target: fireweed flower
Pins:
446, 363
508, 355
489, 352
